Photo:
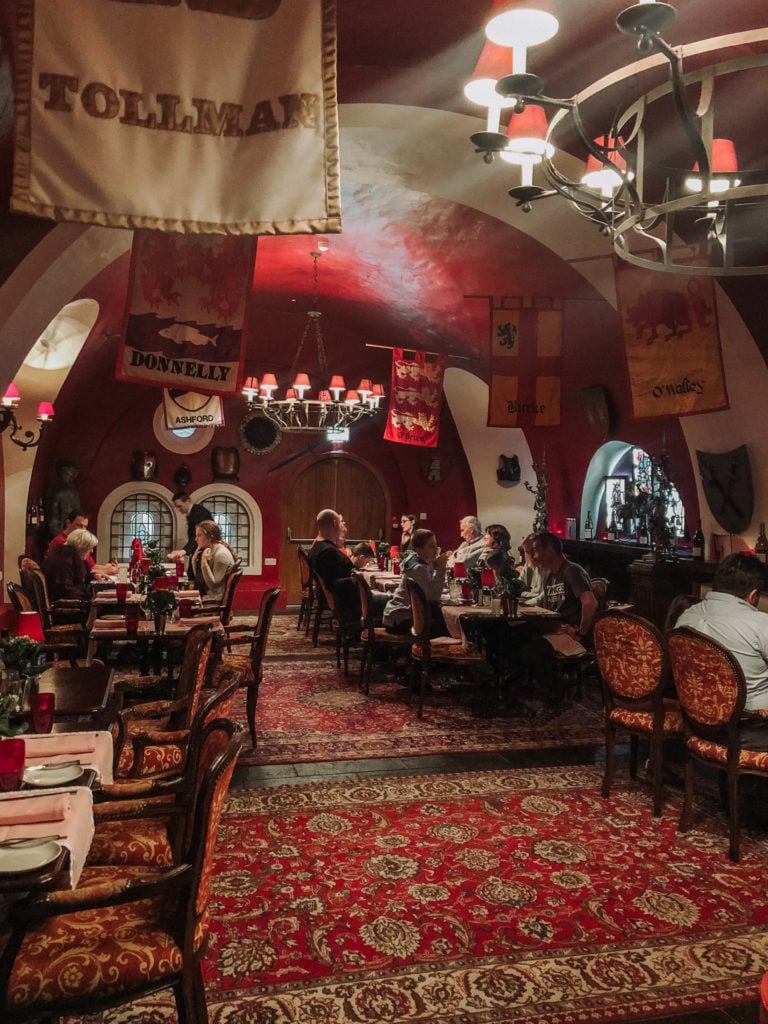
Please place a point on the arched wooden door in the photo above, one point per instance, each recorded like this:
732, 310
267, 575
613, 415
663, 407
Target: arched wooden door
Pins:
334, 482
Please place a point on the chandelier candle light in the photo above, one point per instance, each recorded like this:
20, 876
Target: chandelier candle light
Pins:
335, 407
8, 405
690, 216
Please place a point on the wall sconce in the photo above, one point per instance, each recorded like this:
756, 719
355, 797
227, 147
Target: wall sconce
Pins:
8, 404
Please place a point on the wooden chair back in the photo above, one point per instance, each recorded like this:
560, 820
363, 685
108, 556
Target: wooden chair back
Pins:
20, 598
632, 657
709, 682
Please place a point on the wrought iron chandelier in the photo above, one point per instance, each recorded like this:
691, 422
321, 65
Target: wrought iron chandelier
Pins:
8, 404
335, 407
707, 217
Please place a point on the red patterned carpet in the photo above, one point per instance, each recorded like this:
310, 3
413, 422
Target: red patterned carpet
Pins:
474, 898
309, 711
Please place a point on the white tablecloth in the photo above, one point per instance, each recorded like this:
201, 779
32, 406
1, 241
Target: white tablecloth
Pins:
76, 828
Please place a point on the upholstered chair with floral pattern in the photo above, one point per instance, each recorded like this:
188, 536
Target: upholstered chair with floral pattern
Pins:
247, 654
79, 951
712, 691
135, 753
143, 822
633, 663
427, 651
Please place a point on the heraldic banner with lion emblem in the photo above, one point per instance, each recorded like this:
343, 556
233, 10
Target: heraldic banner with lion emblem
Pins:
186, 307
415, 398
526, 363
671, 342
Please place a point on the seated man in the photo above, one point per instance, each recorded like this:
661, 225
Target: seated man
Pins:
335, 570
77, 520
472, 543
566, 589
426, 566
729, 614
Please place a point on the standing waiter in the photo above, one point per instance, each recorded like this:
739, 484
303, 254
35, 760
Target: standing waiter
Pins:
195, 514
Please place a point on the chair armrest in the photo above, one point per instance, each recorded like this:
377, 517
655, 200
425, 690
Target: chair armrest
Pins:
100, 894
134, 789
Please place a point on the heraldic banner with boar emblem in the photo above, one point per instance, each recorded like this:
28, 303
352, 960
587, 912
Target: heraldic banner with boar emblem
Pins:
671, 342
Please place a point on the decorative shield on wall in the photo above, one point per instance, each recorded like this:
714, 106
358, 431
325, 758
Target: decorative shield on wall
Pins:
726, 478
257, 434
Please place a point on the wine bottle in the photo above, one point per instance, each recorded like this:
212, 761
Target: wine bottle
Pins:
697, 542
761, 545
612, 529
589, 529
40, 512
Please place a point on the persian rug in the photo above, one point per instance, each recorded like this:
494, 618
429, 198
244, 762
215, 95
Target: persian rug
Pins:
285, 641
512, 896
310, 711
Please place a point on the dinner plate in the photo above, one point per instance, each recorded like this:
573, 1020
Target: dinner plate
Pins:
55, 776
15, 859
112, 618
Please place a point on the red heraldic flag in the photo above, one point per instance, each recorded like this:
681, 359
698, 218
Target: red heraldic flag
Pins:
186, 306
526, 357
416, 397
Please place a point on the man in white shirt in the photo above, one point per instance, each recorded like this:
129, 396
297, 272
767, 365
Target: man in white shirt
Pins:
472, 543
729, 614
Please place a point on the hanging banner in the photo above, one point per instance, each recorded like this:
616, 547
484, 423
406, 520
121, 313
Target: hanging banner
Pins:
188, 409
186, 306
526, 363
190, 116
415, 399
671, 342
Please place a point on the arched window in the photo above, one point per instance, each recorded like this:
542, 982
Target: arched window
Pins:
141, 515
232, 518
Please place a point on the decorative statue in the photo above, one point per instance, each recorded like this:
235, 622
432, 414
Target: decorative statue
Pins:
65, 497
144, 466
540, 515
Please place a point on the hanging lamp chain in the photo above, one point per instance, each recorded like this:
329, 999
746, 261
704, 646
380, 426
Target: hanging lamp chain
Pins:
313, 319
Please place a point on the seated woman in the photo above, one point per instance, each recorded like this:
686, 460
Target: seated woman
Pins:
212, 561
531, 575
497, 540
66, 568
426, 566
407, 525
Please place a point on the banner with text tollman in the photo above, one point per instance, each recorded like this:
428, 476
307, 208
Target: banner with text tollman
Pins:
671, 343
190, 116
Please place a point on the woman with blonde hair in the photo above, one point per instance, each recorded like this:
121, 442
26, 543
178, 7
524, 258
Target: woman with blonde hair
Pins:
212, 561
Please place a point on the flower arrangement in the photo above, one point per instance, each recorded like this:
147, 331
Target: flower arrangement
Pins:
19, 655
152, 552
161, 602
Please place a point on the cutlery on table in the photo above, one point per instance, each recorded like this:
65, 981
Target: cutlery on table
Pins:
52, 765
31, 841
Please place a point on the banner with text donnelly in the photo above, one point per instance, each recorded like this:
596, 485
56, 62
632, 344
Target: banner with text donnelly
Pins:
204, 116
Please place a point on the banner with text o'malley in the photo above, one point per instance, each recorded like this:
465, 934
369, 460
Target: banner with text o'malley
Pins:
191, 116
186, 307
671, 342
415, 398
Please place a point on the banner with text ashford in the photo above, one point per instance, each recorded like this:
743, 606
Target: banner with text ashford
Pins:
179, 115
415, 398
526, 358
671, 342
186, 307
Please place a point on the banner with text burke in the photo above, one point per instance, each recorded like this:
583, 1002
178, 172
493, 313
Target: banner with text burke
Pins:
186, 307
193, 116
671, 342
415, 398
526, 357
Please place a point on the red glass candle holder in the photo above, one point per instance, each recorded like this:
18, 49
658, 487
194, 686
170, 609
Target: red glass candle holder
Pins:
12, 753
121, 592
42, 707
487, 578
185, 608
132, 618
179, 570
459, 571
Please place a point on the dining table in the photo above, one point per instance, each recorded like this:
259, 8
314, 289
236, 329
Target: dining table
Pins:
155, 647
82, 694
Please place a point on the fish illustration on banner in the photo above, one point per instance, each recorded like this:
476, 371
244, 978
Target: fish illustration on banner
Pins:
186, 309
415, 398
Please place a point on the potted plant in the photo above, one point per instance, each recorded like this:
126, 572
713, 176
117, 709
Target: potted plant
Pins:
161, 603
19, 663
152, 552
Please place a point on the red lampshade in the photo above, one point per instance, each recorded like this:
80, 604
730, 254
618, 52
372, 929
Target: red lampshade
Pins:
353, 398
723, 157
487, 578
251, 384
324, 396
292, 394
365, 387
302, 381
45, 412
268, 382
378, 389
614, 157
30, 625
394, 551
11, 396
459, 571
530, 124
337, 383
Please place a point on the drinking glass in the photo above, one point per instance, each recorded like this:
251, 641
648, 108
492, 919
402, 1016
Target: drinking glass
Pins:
132, 616
185, 608
179, 570
12, 752
42, 706
121, 592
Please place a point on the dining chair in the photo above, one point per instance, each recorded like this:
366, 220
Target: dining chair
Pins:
72, 952
375, 638
308, 596
171, 714
600, 589
222, 608
64, 630
427, 651
633, 663
250, 663
326, 604
145, 822
712, 692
